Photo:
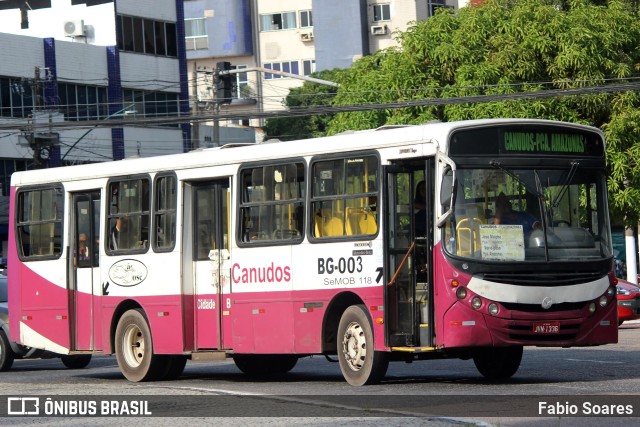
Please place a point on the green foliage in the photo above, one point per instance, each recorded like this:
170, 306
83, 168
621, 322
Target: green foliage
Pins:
507, 47
504, 47
309, 96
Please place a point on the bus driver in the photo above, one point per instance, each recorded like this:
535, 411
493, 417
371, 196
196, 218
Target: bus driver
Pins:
505, 214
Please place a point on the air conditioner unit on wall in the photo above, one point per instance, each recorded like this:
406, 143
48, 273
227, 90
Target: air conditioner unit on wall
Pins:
306, 37
74, 28
378, 30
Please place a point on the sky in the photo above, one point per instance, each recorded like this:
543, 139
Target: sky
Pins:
98, 20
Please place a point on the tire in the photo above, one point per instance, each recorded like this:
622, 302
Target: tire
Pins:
76, 361
265, 364
134, 348
6, 353
173, 367
498, 363
359, 362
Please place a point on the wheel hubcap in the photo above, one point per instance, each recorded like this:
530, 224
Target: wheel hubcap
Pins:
354, 346
133, 346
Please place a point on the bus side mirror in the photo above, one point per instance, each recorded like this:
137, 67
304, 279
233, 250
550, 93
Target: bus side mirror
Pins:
446, 190
447, 196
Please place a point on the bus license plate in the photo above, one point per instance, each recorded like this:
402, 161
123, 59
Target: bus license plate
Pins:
546, 327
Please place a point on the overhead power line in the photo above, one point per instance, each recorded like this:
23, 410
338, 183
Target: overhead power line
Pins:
329, 109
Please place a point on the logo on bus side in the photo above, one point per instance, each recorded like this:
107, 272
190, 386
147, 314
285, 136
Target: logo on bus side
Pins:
128, 272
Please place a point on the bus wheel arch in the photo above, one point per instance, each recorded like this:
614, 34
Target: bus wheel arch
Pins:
134, 348
360, 363
335, 309
122, 308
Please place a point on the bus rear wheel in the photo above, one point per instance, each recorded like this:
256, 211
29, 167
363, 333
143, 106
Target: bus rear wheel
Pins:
498, 363
6, 353
265, 364
134, 348
359, 362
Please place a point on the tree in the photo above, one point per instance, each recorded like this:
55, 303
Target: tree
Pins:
309, 96
505, 47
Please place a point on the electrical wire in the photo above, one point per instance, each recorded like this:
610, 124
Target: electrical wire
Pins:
329, 109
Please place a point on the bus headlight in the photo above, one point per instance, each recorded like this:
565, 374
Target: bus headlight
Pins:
611, 291
603, 301
461, 292
592, 307
476, 302
493, 309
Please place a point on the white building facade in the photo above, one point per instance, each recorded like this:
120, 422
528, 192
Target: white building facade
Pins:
291, 36
74, 61
68, 63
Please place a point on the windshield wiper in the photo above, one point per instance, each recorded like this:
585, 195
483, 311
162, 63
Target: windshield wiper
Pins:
496, 164
565, 185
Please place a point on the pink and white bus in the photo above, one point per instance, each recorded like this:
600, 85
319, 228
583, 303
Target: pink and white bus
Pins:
271, 252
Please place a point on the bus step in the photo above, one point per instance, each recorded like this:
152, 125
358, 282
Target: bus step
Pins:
414, 349
208, 356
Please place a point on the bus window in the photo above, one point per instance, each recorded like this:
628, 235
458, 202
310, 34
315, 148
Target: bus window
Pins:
128, 219
344, 197
39, 222
165, 213
272, 203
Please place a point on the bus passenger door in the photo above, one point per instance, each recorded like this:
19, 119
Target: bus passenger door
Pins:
84, 277
408, 263
209, 214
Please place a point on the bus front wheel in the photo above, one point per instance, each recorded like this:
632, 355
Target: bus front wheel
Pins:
359, 362
76, 361
134, 348
498, 363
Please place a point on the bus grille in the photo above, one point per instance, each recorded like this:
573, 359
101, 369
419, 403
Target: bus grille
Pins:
537, 308
535, 278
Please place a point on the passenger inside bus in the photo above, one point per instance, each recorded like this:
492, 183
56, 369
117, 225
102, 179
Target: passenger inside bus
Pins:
83, 248
420, 224
118, 233
505, 214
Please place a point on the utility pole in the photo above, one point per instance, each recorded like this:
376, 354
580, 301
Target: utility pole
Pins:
223, 82
39, 143
195, 134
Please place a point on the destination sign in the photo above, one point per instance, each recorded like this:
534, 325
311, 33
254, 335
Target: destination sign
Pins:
517, 140
543, 142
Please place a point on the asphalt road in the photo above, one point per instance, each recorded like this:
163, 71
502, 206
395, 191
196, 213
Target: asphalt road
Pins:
439, 392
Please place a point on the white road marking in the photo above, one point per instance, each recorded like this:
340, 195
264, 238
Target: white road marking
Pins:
595, 361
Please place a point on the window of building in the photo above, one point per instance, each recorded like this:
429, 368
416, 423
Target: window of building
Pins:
165, 202
151, 104
434, 5
381, 12
196, 34
272, 203
306, 19
308, 66
135, 34
82, 102
278, 21
16, 99
39, 223
128, 217
241, 89
344, 197
291, 67
7, 167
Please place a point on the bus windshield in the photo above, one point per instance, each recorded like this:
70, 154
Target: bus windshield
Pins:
504, 214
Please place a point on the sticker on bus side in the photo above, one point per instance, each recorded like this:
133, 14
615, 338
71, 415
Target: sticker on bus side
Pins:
128, 272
